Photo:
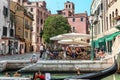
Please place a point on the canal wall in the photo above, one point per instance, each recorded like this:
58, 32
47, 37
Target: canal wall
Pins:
3, 65
68, 65
55, 65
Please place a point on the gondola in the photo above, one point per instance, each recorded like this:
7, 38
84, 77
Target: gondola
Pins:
95, 75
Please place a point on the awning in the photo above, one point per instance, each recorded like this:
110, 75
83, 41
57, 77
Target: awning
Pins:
102, 39
112, 36
96, 43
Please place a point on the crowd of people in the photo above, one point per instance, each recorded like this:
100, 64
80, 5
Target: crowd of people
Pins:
99, 53
63, 53
82, 53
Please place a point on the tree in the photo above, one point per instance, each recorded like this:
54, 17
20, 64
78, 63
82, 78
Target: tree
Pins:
55, 25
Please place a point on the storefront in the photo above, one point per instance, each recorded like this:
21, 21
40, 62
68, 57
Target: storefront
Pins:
106, 42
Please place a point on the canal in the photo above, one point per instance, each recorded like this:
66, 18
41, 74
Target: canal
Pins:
115, 76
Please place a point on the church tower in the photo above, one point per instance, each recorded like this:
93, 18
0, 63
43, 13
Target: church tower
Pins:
69, 6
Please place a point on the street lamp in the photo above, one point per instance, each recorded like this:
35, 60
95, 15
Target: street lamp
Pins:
92, 45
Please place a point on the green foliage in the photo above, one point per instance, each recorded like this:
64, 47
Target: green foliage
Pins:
55, 25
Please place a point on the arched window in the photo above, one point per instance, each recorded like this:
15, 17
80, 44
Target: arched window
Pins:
113, 18
66, 6
69, 5
116, 12
110, 19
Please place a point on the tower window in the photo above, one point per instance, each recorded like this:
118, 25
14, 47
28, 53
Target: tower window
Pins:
69, 5
66, 6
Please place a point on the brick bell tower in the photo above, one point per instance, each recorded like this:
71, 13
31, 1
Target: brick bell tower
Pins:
69, 8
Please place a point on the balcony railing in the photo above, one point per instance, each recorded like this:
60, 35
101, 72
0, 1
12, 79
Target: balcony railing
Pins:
95, 20
27, 26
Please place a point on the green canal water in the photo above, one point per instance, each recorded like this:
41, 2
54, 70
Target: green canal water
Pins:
115, 76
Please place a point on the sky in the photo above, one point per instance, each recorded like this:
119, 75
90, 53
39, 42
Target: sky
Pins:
80, 5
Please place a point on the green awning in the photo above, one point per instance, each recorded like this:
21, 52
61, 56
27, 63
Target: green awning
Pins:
96, 44
102, 39
112, 36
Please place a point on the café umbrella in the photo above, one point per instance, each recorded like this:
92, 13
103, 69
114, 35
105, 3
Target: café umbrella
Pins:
71, 36
70, 41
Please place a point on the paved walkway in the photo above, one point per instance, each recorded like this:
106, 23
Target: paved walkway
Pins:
25, 56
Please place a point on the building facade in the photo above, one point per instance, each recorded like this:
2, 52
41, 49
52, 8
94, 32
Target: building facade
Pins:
78, 22
40, 12
5, 27
23, 27
97, 20
109, 26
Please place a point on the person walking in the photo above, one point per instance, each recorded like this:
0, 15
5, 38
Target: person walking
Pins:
41, 50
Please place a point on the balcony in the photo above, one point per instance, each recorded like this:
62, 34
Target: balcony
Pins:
31, 28
27, 26
95, 20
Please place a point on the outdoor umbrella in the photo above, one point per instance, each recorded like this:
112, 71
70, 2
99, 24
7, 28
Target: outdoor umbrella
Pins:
70, 41
78, 45
77, 35
59, 37
71, 36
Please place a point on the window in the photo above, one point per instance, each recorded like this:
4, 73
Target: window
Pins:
81, 19
37, 20
11, 32
110, 19
73, 29
37, 3
4, 31
66, 6
101, 6
113, 18
69, 5
26, 34
31, 9
116, 12
73, 19
41, 21
107, 23
5, 11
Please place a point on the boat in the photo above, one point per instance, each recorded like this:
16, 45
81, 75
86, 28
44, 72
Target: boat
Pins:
14, 78
97, 75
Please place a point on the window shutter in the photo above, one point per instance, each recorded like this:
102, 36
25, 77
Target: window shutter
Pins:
4, 31
5, 11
